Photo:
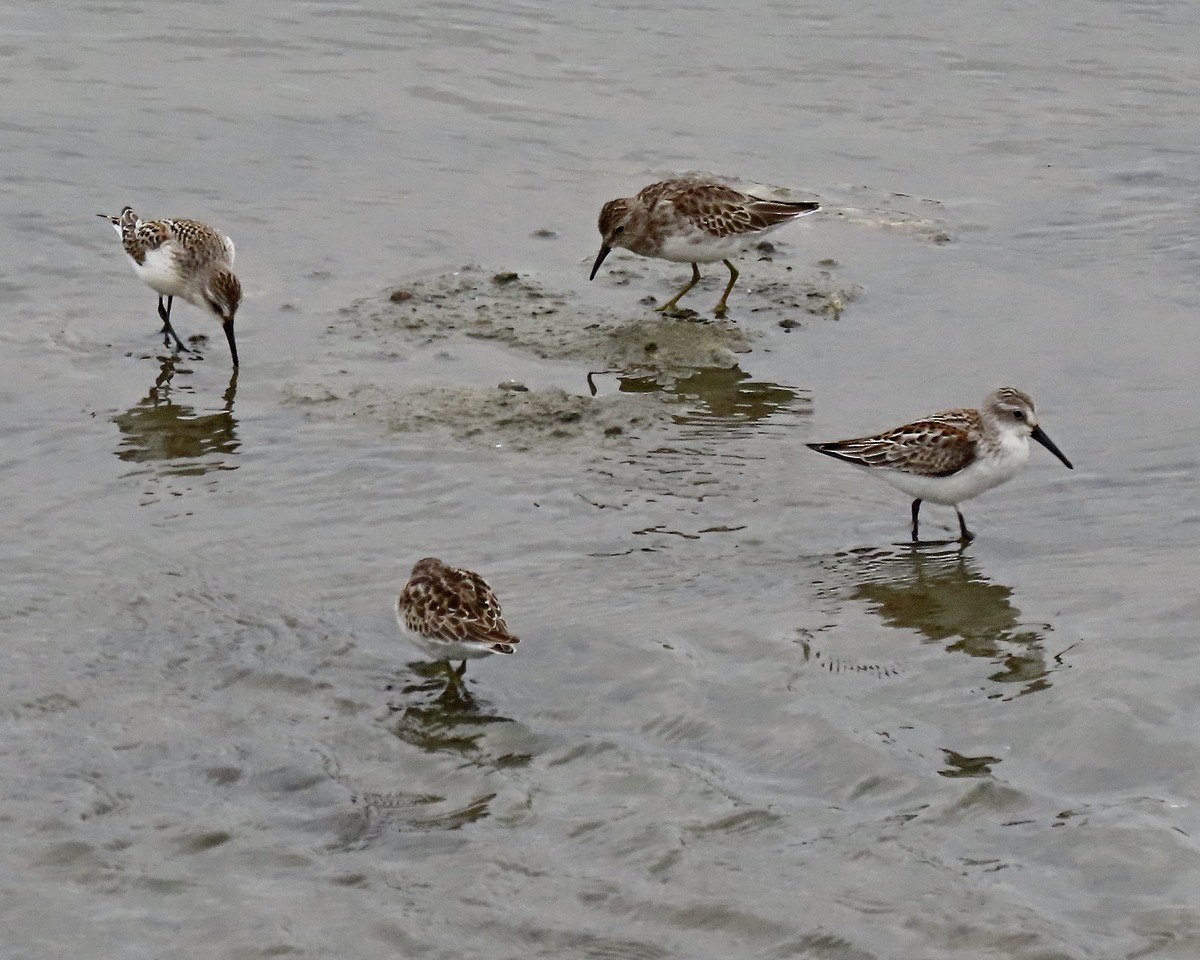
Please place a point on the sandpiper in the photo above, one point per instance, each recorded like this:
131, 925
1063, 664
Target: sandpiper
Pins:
951, 456
183, 258
692, 221
452, 614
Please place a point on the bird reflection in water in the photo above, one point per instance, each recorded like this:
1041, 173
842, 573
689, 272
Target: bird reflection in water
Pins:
941, 595
457, 729
438, 716
160, 430
715, 396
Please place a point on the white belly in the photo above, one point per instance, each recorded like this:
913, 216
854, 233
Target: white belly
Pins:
969, 482
700, 247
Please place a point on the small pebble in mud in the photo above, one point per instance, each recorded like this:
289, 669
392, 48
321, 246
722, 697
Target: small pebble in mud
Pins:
827, 262
399, 296
512, 386
502, 278
789, 323
544, 234
649, 300
765, 246
652, 347
613, 431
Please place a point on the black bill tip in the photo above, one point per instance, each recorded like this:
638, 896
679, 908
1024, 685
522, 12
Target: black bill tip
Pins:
1039, 435
228, 327
604, 252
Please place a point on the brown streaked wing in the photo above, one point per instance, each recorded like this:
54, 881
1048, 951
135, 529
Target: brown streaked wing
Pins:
691, 198
713, 207
459, 605
767, 213
724, 212
152, 234
200, 240
670, 189
937, 446
485, 607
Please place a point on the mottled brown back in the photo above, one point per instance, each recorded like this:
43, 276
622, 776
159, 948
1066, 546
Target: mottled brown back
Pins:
936, 446
721, 210
194, 243
448, 603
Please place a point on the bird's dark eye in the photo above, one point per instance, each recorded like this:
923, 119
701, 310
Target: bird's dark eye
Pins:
619, 230
1019, 414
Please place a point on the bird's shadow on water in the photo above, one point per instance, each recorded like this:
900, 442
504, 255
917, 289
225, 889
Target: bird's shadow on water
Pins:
939, 593
714, 397
166, 433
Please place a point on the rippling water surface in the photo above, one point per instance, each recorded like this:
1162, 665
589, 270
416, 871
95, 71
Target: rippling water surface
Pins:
746, 719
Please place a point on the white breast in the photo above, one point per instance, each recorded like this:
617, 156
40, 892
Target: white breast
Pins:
1000, 466
699, 247
160, 272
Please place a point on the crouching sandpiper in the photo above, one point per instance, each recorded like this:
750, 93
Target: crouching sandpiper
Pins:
692, 221
451, 614
183, 258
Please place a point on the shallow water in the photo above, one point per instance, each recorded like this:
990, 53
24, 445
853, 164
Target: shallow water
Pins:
746, 719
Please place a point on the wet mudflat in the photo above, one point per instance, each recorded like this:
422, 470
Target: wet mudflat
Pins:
746, 718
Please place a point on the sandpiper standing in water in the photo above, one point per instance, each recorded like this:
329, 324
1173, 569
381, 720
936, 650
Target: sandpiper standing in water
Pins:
183, 258
951, 456
692, 221
452, 614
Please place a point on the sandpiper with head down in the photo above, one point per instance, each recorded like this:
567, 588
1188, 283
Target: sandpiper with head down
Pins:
692, 221
183, 258
951, 456
452, 614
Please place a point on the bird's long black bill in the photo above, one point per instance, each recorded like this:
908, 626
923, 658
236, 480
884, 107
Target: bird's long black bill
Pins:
1040, 436
228, 325
604, 252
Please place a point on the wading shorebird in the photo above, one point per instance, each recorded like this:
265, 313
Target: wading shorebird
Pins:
951, 456
451, 614
692, 221
183, 258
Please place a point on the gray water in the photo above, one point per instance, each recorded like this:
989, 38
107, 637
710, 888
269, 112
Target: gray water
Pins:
745, 719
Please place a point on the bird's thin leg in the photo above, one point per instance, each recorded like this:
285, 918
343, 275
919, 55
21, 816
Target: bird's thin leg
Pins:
453, 689
916, 508
670, 304
456, 689
719, 310
966, 535
168, 331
